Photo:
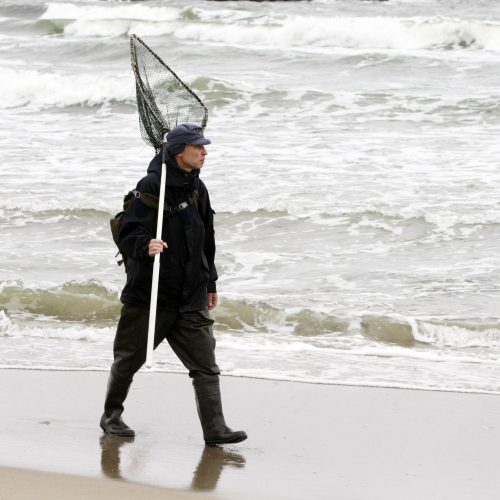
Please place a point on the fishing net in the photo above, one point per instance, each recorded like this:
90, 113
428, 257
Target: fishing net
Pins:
163, 99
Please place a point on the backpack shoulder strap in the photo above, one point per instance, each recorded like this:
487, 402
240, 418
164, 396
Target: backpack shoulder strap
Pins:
150, 200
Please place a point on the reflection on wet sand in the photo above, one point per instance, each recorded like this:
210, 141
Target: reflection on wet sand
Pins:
110, 454
209, 470
212, 462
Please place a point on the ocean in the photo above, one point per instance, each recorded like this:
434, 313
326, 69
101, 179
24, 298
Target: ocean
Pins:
353, 170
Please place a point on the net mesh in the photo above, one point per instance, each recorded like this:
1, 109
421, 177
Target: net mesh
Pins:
163, 99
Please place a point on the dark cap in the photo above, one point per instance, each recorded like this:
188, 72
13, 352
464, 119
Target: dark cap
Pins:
187, 133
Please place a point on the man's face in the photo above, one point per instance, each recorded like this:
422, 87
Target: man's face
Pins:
192, 158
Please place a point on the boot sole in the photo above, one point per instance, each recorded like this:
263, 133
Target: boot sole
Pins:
120, 434
235, 440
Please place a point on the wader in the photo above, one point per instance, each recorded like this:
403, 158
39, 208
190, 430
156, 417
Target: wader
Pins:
191, 337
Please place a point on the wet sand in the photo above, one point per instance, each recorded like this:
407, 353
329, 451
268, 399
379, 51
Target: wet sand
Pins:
305, 441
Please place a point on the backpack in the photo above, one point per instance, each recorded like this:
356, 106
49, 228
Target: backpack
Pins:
151, 201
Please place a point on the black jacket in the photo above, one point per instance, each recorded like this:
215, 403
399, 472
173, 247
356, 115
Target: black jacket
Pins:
187, 270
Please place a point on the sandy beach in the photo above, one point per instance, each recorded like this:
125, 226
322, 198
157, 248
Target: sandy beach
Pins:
305, 441
24, 484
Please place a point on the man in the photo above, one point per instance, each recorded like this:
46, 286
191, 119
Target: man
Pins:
186, 290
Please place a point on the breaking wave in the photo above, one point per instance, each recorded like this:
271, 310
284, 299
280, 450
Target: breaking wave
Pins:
50, 88
262, 317
383, 329
91, 302
274, 31
405, 331
85, 302
46, 89
40, 89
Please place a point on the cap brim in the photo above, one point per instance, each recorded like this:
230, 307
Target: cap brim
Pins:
202, 141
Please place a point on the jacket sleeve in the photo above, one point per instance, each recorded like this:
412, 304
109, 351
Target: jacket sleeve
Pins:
209, 244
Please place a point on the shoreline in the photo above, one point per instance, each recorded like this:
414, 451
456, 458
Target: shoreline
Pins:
284, 380
305, 440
